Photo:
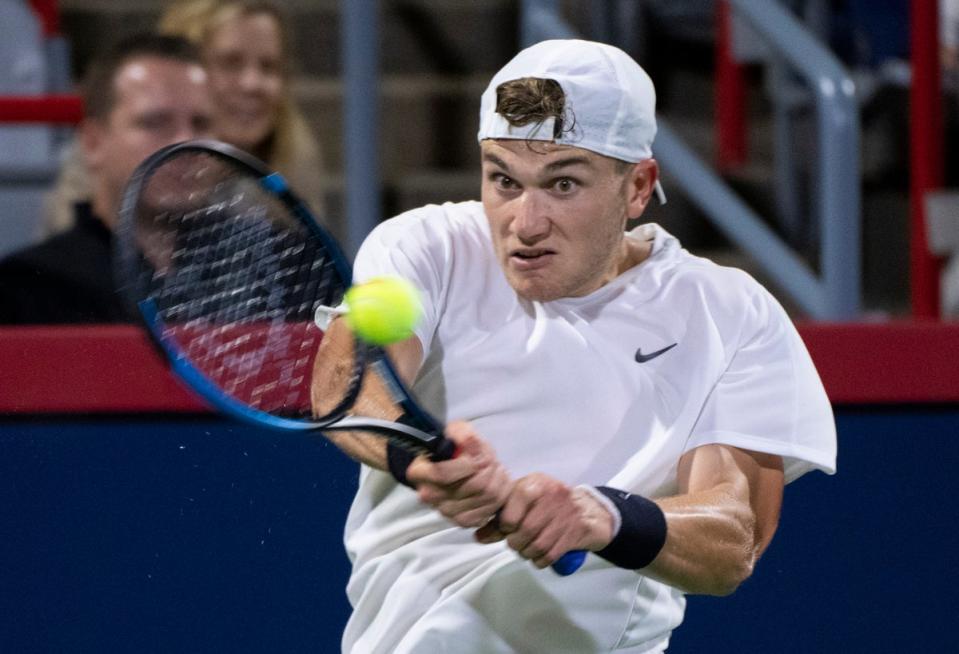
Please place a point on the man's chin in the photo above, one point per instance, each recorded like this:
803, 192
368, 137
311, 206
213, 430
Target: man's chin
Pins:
534, 292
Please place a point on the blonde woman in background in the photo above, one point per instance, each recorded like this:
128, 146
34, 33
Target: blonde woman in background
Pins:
247, 53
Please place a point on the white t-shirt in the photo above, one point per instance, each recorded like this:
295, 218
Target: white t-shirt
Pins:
566, 388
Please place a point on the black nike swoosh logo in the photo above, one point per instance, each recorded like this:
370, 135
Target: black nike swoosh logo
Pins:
643, 358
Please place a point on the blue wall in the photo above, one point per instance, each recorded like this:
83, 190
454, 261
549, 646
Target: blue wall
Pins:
864, 561
205, 536
198, 536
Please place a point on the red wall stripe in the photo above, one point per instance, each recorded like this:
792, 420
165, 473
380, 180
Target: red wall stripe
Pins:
102, 369
114, 369
886, 363
55, 108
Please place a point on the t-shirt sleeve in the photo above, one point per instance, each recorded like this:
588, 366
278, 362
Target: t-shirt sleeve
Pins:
770, 398
406, 246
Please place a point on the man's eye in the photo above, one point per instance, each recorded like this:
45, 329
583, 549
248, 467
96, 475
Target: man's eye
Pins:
229, 63
502, 181
270, 67
202, 124
565, 185
153, 123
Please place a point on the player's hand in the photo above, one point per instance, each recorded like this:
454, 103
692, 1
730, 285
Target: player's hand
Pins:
543, 519
468, 489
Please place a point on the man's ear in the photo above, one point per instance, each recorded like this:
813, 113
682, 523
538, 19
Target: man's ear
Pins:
641, 181
92, 136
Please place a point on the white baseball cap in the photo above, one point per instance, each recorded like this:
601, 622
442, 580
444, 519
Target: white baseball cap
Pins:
610, 102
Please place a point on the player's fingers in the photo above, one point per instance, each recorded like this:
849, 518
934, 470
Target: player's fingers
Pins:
548, 514
490, 485
465, 513
470, 446
430, 493
587, 526
465, 509
472, 519
489, 533
474, 455
487, 485
534, 498
442, 473
481, 496
533, 535
459, 431
552, 542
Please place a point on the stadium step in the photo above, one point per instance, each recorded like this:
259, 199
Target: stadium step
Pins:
438, 56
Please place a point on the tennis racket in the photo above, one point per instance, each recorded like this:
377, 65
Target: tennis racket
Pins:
237, 284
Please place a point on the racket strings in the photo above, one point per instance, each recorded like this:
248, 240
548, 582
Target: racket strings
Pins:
235, 280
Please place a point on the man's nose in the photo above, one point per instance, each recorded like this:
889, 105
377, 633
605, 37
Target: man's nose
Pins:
187, 130
251, 78
531, 222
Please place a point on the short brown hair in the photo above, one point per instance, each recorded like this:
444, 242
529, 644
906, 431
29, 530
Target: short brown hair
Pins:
535, 100
99, 94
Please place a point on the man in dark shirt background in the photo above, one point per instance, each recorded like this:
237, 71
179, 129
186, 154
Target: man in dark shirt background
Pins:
147, 92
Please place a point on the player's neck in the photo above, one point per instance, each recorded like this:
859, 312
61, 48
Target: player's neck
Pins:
634, 252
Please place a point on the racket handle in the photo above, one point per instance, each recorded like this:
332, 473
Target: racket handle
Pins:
447, 450
566, 565
569, 563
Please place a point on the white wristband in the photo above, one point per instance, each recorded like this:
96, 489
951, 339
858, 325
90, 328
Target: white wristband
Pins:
605, 501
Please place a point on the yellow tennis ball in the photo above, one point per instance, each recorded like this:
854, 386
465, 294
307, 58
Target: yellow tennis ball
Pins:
383, 310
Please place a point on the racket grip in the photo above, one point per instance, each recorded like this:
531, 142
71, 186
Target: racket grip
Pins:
566, 565
569, 563
447, 450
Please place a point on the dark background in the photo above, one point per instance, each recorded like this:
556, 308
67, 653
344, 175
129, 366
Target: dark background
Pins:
200, 535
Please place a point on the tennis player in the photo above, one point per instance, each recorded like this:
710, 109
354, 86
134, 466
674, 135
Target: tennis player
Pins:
608, 390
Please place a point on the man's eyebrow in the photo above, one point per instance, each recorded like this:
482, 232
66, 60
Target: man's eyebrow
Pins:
576, 160
568, 161
493, 159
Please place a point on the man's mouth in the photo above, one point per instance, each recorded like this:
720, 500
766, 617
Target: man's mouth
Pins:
531, 258
247, 112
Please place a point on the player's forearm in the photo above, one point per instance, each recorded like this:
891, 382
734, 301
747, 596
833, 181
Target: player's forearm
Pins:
360, 447
333, 365
710, 542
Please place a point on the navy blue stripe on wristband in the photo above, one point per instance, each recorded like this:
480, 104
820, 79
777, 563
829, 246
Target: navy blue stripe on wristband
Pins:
398, 459
642, 533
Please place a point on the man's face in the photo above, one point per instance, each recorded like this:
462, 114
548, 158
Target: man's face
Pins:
557, 216
158, 102
245, 62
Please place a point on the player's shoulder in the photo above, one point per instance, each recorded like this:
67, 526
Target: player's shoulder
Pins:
434, 225
729, 295
716, 281
434, 221
682, 269
449, 215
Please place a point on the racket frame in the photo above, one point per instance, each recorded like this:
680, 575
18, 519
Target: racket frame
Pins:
429, 439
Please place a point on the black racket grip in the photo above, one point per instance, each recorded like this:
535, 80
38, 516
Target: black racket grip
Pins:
446, 450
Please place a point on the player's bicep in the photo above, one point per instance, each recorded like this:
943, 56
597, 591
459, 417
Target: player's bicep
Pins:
407, 357
752, 479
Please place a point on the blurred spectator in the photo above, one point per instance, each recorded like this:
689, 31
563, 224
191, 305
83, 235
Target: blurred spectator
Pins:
145, 93
949, 39
247, 51
245, 46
